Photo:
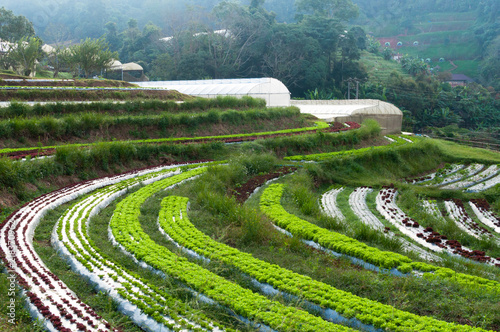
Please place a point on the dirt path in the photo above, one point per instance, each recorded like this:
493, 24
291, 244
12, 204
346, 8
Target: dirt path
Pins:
454, 66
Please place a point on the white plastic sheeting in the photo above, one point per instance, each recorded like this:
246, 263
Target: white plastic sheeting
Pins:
271, 90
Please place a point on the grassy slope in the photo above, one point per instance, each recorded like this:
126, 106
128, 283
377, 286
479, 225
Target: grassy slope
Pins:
378, 68
441, 35
441, 300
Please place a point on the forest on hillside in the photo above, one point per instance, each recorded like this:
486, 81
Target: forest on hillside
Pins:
314, 47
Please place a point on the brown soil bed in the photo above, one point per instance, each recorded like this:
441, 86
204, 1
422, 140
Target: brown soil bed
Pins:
242, 193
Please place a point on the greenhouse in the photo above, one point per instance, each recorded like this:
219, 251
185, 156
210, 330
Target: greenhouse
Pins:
272, 90
387, 115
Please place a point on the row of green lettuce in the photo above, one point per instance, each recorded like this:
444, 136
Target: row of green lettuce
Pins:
398, 141
319, 125
83, 124
174, 221
128, 232
152, 300
270, 204
19, 109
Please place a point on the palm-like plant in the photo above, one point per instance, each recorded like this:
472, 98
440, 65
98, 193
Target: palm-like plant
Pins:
24, 55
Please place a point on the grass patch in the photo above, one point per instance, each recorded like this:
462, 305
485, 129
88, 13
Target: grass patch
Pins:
453, 51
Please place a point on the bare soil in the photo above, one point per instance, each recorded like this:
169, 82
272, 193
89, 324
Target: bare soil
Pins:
242, 193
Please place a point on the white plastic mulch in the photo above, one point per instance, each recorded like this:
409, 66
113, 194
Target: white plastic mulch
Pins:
490, 183
329, 204
465, 173
479, 177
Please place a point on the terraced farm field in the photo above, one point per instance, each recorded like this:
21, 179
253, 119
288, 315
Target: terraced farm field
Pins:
333, 228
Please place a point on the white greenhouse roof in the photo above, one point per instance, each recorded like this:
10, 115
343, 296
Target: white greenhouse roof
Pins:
275, 92
329, 109
116, 65
131, 66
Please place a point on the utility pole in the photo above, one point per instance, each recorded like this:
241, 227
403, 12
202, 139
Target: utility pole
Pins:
348, 89
357, 88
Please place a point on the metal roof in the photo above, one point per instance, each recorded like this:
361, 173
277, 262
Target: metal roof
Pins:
245, 86
131, 66
327, 109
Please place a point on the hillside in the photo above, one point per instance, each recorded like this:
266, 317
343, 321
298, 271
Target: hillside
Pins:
185, 231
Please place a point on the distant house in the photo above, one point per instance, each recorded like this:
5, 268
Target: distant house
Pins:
397, 57
460, 80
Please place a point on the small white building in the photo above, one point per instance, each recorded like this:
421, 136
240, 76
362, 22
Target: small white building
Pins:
273, 91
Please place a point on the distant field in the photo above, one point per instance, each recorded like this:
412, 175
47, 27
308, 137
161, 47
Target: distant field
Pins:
467, 67
378, 68
430, 26
443, 66
441, 17
459, 51
439, 37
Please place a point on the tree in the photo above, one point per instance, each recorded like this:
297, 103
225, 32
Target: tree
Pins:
490, 66
92, 56
13, 28
115, 43
387, 53
24, 54
343, 10
413, 66
291, 56
249, 32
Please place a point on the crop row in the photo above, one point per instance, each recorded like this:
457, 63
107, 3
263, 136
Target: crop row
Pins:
456, 211
128, 232
482, 209
357, 202
465, 182
111, 277
474, 178
16, 109
466, 172
82, 124
270, 205
329, 204
319, 126
442, 172
84, 88
173, 220
29, 94
386, 205
52, 298
398, 141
